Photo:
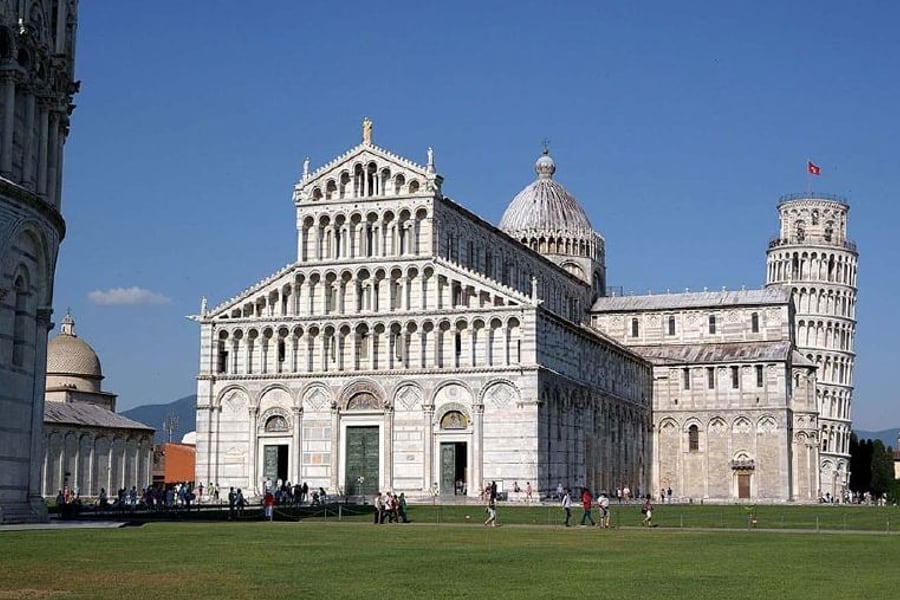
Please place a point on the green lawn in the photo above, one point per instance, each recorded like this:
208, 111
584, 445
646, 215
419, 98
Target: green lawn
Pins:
457, 558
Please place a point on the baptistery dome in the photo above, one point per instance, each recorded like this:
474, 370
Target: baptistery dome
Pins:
71, 362
544, 206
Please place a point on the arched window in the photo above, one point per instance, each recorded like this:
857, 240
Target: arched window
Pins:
634, 328
754, 322
671, 325
693, 438
712, 324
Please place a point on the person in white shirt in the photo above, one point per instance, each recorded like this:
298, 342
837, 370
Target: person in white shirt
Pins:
567, 506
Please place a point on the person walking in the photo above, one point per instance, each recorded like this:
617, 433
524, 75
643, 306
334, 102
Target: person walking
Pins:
404, 516
587, 500
269, 505
567, 506
647, 510
603, 504
491, 510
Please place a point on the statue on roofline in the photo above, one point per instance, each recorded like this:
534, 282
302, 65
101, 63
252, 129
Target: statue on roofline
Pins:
367, 130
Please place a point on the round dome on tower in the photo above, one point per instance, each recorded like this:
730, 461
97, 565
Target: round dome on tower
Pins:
544, 206
71, 362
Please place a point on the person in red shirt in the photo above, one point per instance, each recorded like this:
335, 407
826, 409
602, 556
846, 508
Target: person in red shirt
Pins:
269, 505
587, 500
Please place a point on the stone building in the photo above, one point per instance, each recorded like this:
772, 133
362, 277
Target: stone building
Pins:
86, 445
734, 406
812, 257
37, 45
416, 347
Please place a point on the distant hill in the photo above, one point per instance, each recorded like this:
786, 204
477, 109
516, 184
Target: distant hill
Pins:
154, 415
887, 436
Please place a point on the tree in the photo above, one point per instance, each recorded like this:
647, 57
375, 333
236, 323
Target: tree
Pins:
860, 464
882, 468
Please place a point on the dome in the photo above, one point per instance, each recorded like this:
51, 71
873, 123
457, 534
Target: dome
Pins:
544, 206
68, 355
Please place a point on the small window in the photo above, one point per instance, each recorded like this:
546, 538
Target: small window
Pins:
712, 323
754, 322
686, 376
281, 352
711, 377
693, 438
222, 363
759, 376
671, 325
735, 378
634, 328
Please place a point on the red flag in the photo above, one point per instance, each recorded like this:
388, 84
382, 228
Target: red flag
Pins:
812, 168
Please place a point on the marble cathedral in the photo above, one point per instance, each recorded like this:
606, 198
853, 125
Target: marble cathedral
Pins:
416, 347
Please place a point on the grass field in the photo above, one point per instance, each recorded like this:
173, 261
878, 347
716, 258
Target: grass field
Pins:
457, 558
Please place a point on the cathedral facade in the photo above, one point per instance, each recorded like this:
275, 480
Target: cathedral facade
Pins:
37, 46
415, 347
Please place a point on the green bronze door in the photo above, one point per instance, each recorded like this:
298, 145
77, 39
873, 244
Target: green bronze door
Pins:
361, 467
448, 469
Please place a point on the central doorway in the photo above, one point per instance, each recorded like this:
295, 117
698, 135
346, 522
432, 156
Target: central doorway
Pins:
454, 474
361, 466
275, 462
743, 485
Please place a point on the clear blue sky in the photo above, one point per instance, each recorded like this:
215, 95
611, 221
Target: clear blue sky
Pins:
678, 125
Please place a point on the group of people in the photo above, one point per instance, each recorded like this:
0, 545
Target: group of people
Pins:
602, 503
390, 508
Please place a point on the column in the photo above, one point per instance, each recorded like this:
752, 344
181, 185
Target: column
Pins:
335, 446
477, 482
52, 158
60, 142
252, 483
9, 123
300, 242
389, 447
43, 119
405, 285
297, 463
212, 455
428, 467
93, 490
42, 326
27, 162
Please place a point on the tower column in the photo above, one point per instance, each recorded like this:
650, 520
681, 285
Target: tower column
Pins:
9, 112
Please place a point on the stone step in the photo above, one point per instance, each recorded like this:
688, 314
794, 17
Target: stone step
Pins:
17, 512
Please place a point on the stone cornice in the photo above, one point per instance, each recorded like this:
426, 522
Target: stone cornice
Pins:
356, 374
35, 203
371, 317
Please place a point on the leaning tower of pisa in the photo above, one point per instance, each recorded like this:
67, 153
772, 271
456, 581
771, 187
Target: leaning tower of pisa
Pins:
813, 256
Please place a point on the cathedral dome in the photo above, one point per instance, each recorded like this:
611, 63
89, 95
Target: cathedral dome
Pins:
67, 355
544, 206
